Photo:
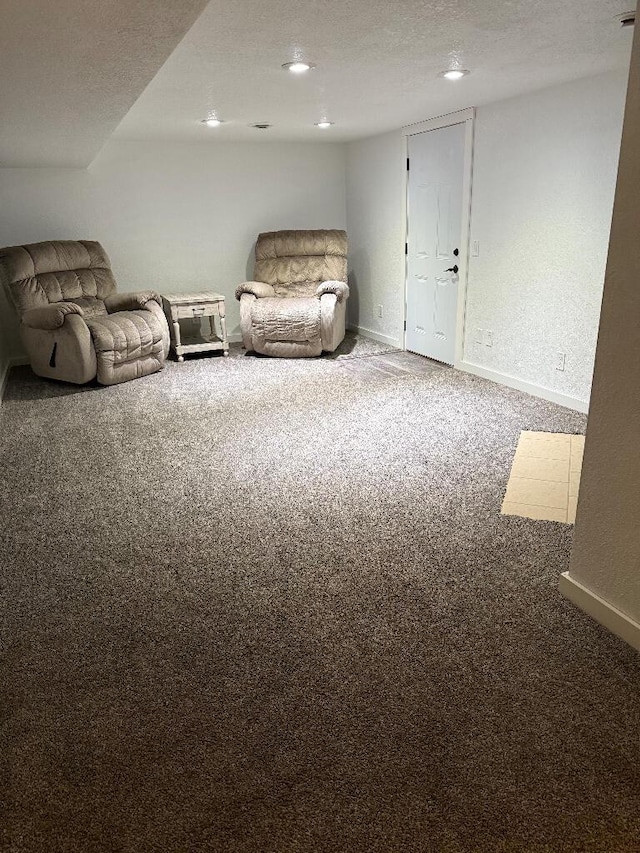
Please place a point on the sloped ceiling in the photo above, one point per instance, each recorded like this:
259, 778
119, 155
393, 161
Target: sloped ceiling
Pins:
71, 69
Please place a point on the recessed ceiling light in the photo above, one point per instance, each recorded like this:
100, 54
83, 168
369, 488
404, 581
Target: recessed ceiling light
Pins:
628, 19
298, 66
212, 121
454, 73
324, 124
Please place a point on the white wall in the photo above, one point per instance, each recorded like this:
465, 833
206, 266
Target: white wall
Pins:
177, 216
604, 577
375, 225
544, 177
543, 184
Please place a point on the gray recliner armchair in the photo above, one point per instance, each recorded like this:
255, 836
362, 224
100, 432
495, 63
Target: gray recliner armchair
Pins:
74, 324
296, 306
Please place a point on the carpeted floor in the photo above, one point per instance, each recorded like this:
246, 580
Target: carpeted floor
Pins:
357, 346
266, 606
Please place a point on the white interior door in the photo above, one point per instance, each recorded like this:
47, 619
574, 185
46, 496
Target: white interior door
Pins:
434, 212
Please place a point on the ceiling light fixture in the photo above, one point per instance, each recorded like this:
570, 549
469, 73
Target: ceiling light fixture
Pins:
454, 73
298, 66
261, 126
324, 124
212, 121
628, 19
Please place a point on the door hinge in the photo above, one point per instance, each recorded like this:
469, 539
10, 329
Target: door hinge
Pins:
406, 248
405, 325
407, 164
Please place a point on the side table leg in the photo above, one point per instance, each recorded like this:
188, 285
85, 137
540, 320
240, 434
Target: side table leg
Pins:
212, 327
176, 338
223, 328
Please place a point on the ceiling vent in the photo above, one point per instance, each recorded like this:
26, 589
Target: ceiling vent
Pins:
261, 126
628, 19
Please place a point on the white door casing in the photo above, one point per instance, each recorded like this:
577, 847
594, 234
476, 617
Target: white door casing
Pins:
438, 209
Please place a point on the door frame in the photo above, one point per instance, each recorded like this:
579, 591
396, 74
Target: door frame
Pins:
466, 117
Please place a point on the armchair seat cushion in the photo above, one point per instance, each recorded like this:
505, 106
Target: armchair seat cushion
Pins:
91, 307
286, 319
296, 289
127, 344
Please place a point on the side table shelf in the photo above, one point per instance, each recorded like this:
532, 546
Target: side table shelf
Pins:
195, 306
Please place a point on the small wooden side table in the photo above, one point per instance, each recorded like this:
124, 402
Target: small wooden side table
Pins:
195, 306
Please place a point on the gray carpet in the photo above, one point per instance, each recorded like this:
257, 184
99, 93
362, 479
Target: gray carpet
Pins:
357, 346
269, 606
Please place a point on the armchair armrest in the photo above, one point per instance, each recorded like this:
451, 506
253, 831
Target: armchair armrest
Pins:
50, 317
130, 301
257, 288
339, 288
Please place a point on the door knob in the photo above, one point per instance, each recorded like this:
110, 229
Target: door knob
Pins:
453, 269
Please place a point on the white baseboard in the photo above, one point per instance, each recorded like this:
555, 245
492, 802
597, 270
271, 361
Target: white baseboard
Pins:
376, 336
527, 387
600, 610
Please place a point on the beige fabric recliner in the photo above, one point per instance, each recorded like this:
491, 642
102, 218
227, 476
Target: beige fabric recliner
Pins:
296, 306
73, 323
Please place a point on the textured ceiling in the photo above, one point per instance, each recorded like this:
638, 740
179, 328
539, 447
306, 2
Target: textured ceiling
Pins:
70, 70
377, 63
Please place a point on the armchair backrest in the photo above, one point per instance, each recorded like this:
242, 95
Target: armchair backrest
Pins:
61, 270
290, 257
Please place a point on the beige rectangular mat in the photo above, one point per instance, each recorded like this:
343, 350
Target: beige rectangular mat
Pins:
545, 477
